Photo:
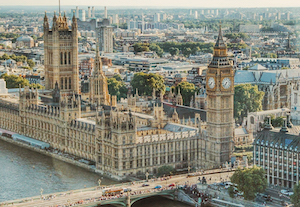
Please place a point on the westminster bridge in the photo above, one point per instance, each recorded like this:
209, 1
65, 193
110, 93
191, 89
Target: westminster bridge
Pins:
168, 188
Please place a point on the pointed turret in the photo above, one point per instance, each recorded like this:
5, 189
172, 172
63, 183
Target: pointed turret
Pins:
98, 63
54, 22
46, 24
74, 22
220, 42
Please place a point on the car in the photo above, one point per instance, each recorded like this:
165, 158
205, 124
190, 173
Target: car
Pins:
145, 185
267, 197
158, 187
284, 192
126, 190
172, 185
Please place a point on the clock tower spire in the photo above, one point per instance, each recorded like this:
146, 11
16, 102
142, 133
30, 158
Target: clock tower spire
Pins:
220, 93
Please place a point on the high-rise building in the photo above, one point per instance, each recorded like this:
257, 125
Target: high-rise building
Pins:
196, 15
61, 55
115, 19
163, 16
220, 92
156, 17
105, 36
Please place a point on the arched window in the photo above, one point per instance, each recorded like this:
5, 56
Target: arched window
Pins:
70, 86
61, 83
69, 58
65, 58
66, 83
61, 58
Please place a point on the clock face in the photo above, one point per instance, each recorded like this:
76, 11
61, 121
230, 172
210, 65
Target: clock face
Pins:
211, 82
226, 83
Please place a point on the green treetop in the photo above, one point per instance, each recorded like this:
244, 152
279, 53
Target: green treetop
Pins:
247, 98
250, 181
145, 83
187, 90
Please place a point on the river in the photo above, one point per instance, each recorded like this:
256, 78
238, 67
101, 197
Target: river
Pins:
24, 172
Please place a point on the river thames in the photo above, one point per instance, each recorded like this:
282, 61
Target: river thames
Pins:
24, 172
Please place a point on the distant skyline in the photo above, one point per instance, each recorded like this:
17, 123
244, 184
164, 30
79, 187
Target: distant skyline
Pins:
158, 3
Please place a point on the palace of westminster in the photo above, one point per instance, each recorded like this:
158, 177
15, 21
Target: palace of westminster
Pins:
121, 138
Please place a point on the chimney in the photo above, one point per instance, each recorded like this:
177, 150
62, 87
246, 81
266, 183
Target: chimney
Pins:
284, 128
288, 119
268, 124
93, 12
89, 12
105, 12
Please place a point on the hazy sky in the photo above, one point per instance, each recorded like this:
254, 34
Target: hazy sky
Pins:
161, 3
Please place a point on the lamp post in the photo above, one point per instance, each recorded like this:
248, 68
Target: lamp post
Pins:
99, 182
147, 175
42, 190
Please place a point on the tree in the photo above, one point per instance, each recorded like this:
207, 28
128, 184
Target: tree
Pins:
36, 85
154, 47
187, 52
174, 51
250, 181
187, 90
117, 77
295, 198
165, 170
30, 63
5, 57
117, 88
145, 83
247, 98
13, 81
141, 47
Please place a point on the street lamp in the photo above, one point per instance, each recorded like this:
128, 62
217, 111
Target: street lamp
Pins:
99, 182
42, 192
147, 174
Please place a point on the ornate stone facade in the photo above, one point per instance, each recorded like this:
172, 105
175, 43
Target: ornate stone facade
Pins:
61, 55
220, 92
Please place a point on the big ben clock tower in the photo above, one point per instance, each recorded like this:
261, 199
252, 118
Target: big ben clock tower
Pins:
220, 92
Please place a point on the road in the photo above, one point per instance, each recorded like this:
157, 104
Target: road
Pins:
73, 197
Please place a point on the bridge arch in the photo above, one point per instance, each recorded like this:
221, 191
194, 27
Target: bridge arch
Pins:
138, 201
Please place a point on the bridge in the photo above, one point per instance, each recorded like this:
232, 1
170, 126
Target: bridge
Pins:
135, 191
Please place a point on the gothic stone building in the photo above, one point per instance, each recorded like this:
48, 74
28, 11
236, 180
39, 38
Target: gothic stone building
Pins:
120, 141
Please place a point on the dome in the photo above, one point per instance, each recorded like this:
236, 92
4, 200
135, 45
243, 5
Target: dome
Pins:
25, 38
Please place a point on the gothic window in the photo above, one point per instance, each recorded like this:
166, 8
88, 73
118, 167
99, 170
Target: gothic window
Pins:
66, 83
61, 58
295, 98
69, 58
65, 58
61, 83
70, 83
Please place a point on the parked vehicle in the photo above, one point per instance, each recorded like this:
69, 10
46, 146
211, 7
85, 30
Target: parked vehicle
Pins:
158, 187
172, 185
145, 184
